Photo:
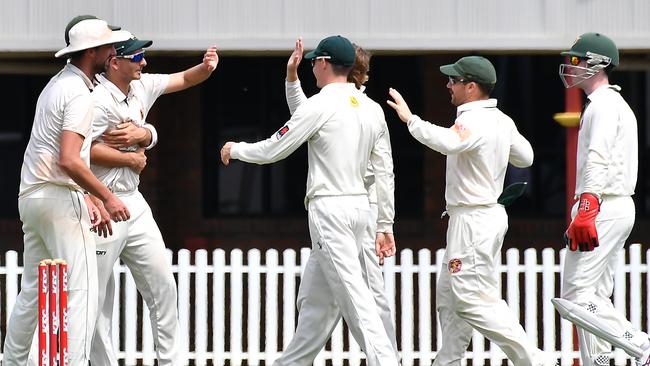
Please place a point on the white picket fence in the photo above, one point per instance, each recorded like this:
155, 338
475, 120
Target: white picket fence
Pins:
240, 309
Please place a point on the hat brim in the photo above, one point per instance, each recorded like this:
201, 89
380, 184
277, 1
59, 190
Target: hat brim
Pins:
134, 45
572, 53
310, 55
449, 70
116, 36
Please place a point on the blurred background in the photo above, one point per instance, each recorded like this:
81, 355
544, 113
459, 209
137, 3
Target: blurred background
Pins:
200, 204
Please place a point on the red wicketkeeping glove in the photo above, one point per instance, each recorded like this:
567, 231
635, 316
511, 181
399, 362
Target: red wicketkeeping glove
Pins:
581, 234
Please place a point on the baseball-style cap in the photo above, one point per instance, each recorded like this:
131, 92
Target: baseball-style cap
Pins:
89, 33
472, 68
131, 45
339, 50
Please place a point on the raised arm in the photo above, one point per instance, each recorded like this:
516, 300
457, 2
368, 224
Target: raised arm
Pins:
194, 75
302, 125
293, 90
448, 141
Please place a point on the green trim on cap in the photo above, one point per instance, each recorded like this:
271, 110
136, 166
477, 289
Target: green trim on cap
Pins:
76, 20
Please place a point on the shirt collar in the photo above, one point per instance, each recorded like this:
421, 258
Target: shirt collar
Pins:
75, 70
478, 104
112, 88
603, 89
335, 86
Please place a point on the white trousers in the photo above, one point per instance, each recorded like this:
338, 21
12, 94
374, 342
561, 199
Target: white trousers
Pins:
318, 312
467, 294
588, 278
55, 225
139, 243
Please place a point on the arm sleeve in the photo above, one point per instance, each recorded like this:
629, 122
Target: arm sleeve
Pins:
302, 125
100, 121
381, 159
154, 86
78, 114
448, 141
521, 153
295, 95
154, 135
604, 123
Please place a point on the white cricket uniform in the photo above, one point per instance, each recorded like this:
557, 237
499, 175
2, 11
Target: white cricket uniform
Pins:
478, 147
318, 312
138, 242
344, 129
607, 163
55, 218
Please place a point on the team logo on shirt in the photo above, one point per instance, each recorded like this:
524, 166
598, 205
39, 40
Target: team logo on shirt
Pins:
461, 131
281, 132
454, 265
353, 101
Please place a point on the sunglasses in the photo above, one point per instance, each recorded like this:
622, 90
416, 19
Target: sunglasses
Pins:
133, 58
453, 80
313, 60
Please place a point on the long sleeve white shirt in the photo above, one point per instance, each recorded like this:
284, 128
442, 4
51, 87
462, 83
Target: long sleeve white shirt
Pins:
344, 129
607, 156
479, 146
296, 96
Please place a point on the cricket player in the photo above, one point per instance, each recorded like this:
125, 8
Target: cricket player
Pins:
120, 135
56, 213
479, 146
311, 337
344, 130
606, 173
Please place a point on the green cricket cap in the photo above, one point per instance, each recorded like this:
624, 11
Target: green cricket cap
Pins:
339, 50
472, 68
131, 45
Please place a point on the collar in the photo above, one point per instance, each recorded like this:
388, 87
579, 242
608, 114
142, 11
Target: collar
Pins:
75, 70
478, 104
112, 88
337, 86
603, 89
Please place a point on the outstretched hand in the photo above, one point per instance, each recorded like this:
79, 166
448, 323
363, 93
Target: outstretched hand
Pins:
225, 152
211, 59
399, 105
294, 61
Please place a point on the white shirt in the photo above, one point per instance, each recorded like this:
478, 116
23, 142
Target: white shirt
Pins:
344, 129
65, 104
478, 147
607, 156
112, 107
295, 97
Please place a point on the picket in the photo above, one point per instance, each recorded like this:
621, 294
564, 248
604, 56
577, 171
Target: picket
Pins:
239, 307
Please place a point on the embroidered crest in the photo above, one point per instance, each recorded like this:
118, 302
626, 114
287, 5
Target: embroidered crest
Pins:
281, 132
454, 265
461, 131
353, 101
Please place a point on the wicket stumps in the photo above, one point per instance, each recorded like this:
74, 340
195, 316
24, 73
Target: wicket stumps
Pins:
53, 312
